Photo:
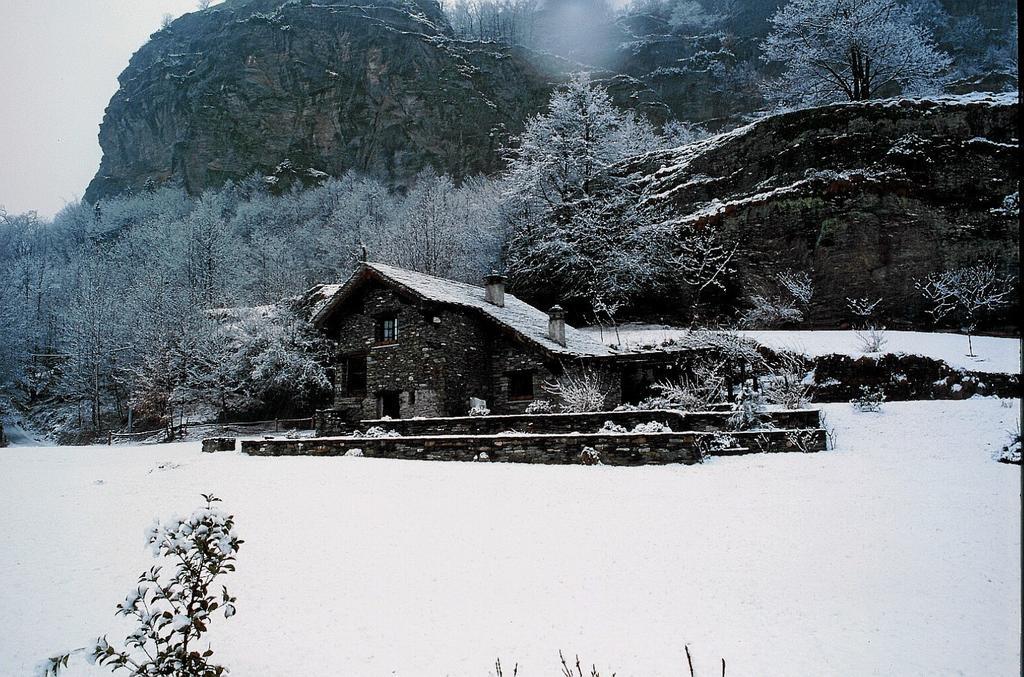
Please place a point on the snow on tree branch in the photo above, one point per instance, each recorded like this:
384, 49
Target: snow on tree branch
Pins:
850, 50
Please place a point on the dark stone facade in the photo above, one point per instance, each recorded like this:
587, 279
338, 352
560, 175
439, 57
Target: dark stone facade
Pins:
440, 358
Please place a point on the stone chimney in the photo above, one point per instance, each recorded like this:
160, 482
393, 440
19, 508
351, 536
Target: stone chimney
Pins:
556, 325
494, 289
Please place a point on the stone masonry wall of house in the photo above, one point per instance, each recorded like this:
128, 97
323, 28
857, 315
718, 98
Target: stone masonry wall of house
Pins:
330, 423
437, 360
442, 357
613, 449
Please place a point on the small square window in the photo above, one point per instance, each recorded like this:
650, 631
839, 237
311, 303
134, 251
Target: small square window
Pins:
520, 385
387, 330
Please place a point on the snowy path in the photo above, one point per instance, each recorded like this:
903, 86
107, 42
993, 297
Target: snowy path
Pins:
19, 437
993, 354
896, 554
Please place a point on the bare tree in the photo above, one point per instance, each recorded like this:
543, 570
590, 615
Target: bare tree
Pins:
704, 261
967, 293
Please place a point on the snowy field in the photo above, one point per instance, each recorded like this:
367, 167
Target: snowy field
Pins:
898, 553
993, 354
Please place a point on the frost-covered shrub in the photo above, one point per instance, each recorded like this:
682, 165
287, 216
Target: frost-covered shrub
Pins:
706, 386
801, 440
540, 407
580, 391
172, 604
651, 427
377, 431
479, 411
872, 339
789, 383
611, 427
709, 445
589, 456
770, 311
1011, 451
870, 399
354, 452
748, 410
787, 392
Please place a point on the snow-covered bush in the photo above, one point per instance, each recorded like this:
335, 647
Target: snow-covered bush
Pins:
580, 391
356, 452
1011, 451
479, 411
870, 399
651, 427
482, 456
696, 392
872, 339
377, 431
863, 308
801, 440
589, 456
770, 311
713, 443
748, 410
786, 391
172, 604
789, 384
540, 407
611, 427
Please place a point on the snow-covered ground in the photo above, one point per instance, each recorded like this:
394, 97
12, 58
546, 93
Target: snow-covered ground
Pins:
993, 354
898, 553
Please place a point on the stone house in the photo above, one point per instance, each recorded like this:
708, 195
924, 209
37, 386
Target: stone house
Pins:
410, 345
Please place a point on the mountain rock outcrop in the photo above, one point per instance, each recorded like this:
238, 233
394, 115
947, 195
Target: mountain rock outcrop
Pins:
302, 90
869, 198
245, 86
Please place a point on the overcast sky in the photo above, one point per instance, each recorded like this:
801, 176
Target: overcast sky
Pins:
59, 62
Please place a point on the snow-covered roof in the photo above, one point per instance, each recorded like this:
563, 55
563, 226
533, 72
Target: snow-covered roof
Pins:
517, 316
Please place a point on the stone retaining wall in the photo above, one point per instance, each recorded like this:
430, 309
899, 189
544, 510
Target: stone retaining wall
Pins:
613, 449
904, 377
330, 424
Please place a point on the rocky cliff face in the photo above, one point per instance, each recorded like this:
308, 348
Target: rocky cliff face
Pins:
867, 197
382, 89
246, 86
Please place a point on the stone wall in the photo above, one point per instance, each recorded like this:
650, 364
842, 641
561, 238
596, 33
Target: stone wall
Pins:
437, 362
613, 449
904, 377
330, 423
441, 358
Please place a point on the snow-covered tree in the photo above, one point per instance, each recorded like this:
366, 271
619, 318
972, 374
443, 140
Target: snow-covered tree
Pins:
591, 241
967, 294
850, 50
563, 149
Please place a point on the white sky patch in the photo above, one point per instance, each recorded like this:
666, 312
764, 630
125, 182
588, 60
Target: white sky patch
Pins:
61, 61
